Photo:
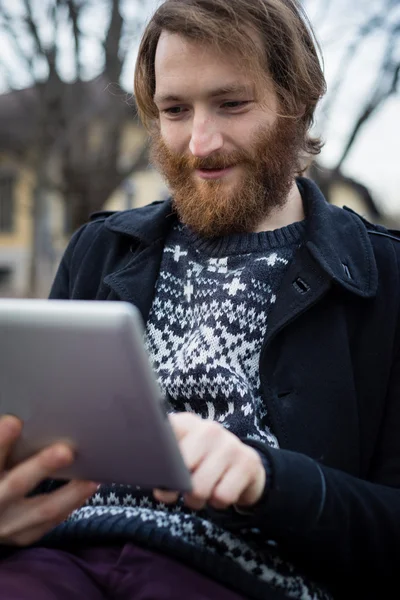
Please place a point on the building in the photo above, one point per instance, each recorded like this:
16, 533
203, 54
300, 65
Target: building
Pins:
27, 251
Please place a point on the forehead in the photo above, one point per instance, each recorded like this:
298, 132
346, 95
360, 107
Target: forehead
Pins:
184, 67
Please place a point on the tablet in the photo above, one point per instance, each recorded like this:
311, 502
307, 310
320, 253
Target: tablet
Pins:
77, 371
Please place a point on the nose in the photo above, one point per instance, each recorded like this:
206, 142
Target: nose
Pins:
205, 138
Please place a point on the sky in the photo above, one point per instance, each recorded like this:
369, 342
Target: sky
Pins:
375, 157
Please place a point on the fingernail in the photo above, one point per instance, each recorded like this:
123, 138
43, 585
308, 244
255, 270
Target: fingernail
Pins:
93, 487
61, 453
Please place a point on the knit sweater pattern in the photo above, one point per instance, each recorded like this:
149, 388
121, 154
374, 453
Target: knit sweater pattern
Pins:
204, 336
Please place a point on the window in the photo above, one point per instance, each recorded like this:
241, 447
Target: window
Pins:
7, 203
5, 276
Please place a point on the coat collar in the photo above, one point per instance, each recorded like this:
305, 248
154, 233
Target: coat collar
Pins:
147, 224
337, 239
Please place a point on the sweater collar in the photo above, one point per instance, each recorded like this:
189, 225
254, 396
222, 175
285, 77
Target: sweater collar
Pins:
336, 239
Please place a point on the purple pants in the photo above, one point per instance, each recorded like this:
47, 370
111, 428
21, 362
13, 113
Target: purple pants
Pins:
117, 573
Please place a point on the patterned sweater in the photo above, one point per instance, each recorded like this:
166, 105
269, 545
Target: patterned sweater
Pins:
204, 336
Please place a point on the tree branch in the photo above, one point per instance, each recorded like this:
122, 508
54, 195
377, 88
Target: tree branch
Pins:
377, 100
32, 27
113, 62
364, 31
13, 38
74, 12
385, 85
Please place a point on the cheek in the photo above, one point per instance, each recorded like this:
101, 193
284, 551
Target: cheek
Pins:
175, 136
241, 134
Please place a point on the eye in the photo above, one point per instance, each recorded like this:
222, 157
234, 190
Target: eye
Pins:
173, 111
235, 104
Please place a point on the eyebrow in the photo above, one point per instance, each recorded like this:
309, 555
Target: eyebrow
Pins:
234, 88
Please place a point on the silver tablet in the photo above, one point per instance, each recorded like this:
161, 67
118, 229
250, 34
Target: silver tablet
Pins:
78, 371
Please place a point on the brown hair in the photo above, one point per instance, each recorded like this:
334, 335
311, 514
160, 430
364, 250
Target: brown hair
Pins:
289, 50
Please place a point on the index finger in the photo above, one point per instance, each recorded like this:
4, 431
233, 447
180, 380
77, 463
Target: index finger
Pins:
23, 478
182, 423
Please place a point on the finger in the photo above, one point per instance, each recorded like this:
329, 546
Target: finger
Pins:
10, 430
68, 498
254, 490
217, 504
23, 478
194, 449
38, 515
183, 423
230, 487
244, 483
206, 477
193, 502
204, 439
26, 537
166, 496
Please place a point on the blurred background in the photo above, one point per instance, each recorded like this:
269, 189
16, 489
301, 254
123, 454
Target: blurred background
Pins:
71, 143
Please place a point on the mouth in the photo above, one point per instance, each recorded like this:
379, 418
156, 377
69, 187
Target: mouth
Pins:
213, 173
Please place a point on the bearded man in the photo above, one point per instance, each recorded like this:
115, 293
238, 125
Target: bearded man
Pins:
271, 324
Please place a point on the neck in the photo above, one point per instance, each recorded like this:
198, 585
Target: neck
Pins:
291, 212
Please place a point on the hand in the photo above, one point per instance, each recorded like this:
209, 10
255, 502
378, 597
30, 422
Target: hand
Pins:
224, 470
25, 520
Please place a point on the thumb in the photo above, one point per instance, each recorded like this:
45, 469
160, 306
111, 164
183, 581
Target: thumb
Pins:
166, 496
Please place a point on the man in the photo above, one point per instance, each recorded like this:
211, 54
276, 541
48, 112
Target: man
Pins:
272, 325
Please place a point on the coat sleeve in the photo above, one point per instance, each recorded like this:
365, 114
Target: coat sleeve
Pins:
333, 524
337, 527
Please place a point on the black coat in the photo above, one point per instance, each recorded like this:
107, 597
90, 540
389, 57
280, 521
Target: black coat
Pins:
330, 375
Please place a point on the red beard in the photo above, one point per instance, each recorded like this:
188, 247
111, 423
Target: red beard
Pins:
210, 207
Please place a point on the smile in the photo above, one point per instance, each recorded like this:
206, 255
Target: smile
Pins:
213, 173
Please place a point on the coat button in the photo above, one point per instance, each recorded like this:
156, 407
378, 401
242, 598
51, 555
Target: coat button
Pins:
301, 286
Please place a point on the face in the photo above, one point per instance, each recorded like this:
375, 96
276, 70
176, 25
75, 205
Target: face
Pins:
225, 154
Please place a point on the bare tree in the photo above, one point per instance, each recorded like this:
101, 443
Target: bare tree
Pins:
386, 85
381, 17
61, 115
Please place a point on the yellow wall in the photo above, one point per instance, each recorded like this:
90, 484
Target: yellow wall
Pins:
147, 184
343, 195
148, 187
21, 235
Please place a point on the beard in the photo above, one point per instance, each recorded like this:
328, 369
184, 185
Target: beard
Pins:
215, 208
